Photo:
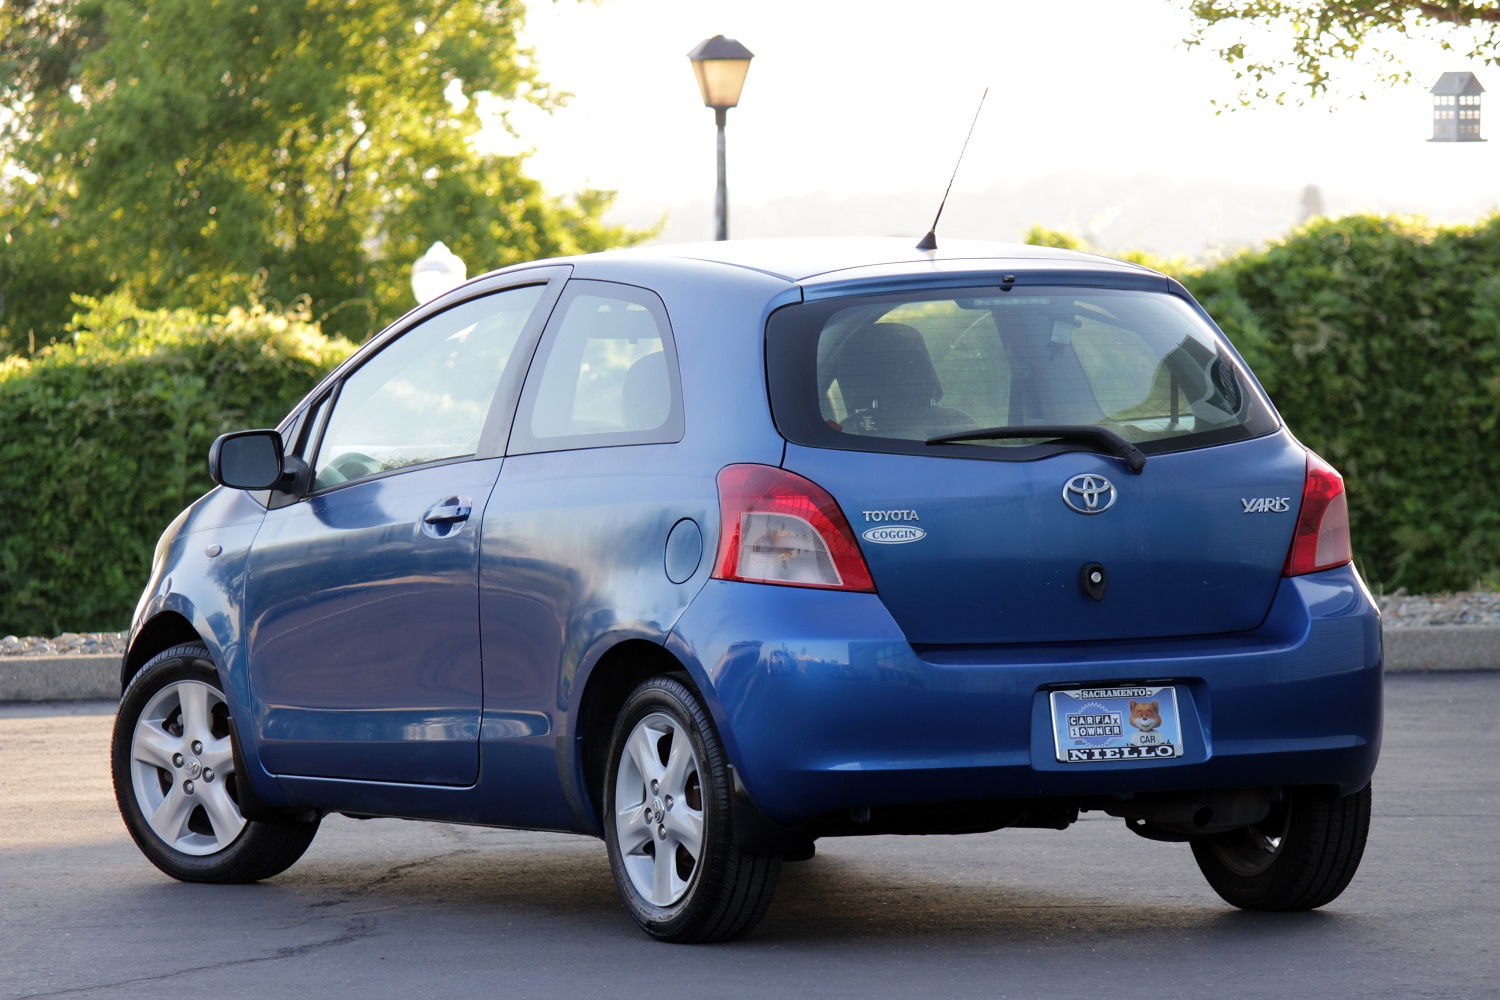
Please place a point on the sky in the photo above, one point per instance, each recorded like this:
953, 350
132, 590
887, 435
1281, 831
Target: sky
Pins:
848, 100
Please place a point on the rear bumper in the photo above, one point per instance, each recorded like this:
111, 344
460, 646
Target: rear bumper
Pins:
839, 711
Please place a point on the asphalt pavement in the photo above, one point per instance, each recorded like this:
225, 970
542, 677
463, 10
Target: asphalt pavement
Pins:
387, 908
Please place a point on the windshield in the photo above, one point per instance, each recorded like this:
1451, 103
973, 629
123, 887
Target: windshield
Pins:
896, 372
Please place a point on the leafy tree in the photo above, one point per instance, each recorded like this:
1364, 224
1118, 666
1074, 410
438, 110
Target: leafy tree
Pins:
195, 152
1326, 31
1041, 236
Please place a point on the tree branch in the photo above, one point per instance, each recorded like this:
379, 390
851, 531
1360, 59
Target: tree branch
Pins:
1460, 13
341, 171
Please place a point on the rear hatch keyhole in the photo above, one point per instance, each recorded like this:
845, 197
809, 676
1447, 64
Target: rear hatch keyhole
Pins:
1091, 579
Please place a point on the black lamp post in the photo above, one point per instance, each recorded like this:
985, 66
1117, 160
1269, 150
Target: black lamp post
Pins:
720, 64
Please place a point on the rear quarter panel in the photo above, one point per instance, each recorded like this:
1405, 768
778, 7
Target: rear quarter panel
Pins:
573, 557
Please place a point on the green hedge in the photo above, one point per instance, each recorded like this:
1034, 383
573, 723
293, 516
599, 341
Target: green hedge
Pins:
105, 439
1379, 341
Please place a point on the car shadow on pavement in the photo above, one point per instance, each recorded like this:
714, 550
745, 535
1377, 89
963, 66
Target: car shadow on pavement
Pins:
541, 878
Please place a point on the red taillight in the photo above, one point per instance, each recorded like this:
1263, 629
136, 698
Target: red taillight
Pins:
1321, 540
776, 527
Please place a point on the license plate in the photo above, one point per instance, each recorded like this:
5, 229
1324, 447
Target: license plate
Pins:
1116, 723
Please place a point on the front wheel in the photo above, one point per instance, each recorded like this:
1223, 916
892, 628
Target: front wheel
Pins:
1301, 856
667, 822
176, 783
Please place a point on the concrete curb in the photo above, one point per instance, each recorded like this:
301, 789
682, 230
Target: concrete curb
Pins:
1426, 649
60, 678
1445, 648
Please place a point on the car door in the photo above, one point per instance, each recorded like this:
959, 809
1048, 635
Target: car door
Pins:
361, 600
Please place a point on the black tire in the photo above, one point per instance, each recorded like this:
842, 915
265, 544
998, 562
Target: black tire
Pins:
1300, 857
661, 790
175, 781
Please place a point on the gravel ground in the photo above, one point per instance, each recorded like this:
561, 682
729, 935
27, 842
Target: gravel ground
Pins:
67, 644
1472, 607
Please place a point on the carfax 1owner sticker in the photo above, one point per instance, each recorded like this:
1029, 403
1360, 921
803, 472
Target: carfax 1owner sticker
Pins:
1120, 723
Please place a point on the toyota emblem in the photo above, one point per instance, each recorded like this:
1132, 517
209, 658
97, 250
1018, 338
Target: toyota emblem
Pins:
1089, 494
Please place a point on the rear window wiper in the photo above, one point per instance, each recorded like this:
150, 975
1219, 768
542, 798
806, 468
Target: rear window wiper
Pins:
1102, 439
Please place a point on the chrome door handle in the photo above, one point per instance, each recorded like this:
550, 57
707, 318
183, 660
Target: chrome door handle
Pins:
447, 515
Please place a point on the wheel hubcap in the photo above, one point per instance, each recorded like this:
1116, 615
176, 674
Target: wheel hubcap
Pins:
659, 809
180, 744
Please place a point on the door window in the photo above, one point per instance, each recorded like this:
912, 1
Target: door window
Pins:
426, 396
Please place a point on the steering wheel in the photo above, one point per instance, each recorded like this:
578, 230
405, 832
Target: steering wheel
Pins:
349, 465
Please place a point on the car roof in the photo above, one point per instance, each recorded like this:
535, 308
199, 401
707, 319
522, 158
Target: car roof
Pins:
807, 258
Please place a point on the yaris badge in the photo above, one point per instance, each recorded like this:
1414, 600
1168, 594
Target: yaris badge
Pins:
1089, 494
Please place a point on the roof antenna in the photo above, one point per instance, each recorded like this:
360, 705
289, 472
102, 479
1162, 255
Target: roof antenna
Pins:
929, 242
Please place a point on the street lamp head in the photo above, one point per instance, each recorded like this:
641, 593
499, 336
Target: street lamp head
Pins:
720, 64
436, 271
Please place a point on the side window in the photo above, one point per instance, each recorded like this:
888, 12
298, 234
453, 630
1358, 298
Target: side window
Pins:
606, 374
426, 396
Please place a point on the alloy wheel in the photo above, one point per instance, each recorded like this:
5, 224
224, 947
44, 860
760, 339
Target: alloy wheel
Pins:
659, 809
182, 769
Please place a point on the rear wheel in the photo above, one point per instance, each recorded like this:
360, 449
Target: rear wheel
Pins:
1301, 856
667, 822
176, 783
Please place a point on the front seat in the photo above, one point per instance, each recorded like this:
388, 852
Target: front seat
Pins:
890, 387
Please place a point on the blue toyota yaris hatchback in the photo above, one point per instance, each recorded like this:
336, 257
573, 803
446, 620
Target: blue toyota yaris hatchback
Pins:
715, 550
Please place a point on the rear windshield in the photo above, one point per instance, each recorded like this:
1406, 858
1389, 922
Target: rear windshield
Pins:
893, 372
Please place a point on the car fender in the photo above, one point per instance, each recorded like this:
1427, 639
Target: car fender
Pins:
209, 543
574, 681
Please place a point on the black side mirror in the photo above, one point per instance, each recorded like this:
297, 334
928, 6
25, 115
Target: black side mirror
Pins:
246, 460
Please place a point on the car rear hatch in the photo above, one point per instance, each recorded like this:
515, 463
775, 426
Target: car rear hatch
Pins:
1152, 494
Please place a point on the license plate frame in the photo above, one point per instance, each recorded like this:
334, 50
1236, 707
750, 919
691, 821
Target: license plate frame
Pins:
1094, 724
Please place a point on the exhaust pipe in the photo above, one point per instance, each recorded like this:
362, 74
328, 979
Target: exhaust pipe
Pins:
1199, 815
